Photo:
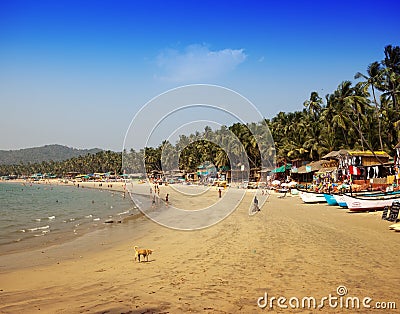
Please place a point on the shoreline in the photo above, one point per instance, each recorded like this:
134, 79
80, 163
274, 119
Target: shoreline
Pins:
44, 243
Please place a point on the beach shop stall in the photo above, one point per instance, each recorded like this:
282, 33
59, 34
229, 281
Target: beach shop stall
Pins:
364, 167
282, 172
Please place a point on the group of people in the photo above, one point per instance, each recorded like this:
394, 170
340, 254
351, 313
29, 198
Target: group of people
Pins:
156, 196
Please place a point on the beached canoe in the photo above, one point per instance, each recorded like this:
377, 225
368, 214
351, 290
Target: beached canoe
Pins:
366, 203
312, 197
330, 199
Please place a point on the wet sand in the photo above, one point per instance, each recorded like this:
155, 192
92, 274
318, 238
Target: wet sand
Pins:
288, 249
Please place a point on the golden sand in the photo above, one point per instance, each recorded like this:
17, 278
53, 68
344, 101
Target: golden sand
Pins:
288, 249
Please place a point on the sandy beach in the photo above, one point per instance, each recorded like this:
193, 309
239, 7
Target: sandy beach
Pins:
288, 249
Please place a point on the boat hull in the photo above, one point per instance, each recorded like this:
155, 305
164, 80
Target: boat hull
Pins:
369, 203
340, 201
330, 199
312, 197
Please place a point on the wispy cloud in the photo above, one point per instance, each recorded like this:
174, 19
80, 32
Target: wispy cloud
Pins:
197, 62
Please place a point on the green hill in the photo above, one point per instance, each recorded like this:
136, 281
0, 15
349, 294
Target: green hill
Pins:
44, 153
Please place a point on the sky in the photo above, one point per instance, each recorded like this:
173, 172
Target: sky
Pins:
76, 72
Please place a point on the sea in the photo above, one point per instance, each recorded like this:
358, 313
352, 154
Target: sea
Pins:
38, 215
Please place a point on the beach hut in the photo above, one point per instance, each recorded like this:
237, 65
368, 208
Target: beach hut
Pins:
207, 169
37, 176
373, 169
224, 173
192, 177
71, 174
305, 173
282, 172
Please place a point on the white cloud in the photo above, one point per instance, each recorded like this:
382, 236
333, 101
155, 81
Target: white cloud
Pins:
198, 63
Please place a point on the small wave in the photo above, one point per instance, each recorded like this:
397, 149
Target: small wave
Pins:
38, 219
123, 213
96, 219
45, 231
39, 235
22, 230
89, 216
71, 219
39, 228
51, 217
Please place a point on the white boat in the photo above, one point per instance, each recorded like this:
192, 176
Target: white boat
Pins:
312, 197
366, 203
340, 200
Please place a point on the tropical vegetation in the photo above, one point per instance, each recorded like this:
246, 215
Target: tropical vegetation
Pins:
364, 115
103, 161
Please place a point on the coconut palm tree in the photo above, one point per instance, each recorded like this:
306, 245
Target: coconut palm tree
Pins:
373, 80
314, 105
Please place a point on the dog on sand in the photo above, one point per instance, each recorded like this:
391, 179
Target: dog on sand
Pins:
144, 252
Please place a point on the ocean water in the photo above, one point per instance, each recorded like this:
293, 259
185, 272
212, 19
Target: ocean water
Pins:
33, 216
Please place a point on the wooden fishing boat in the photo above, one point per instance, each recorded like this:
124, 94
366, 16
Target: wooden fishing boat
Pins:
340, 200
330, 199
312, 197
366, 203
342, 203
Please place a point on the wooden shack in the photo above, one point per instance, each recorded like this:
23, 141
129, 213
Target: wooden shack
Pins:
364, 166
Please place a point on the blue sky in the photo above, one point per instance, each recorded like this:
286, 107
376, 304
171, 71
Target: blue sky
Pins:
76, 72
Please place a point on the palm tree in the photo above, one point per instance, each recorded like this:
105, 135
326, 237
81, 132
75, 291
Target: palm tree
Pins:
373, 81
222, 159
314, 105
392, 75
359, 102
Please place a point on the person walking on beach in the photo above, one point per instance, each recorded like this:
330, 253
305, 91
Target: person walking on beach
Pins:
219, 192
166, 199
256, 208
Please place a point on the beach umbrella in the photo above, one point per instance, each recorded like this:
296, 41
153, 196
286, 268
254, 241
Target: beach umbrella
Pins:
276, 182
